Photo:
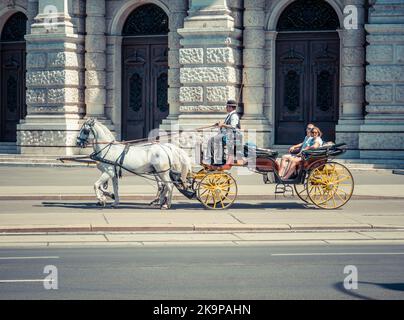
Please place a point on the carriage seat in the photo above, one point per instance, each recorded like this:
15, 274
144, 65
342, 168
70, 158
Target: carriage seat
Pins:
328, 149
251, 150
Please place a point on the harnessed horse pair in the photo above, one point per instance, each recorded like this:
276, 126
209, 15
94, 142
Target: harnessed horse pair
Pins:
163, 161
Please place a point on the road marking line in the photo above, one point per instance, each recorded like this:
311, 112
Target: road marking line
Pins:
27, 258
338, 254
23, 280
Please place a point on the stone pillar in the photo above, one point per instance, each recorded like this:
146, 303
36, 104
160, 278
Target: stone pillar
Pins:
54, 99
382, 134
254, 71
352, 94
210, 63
269, 87
95, 59
176, 21
32, 11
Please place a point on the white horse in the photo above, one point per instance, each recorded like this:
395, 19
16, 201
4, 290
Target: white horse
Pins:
152, 158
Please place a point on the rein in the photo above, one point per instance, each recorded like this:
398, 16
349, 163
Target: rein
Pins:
151, 140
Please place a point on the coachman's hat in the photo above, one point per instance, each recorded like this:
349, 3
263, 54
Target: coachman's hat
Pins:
231, 103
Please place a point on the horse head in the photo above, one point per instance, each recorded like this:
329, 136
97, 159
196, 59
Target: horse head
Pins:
85, 132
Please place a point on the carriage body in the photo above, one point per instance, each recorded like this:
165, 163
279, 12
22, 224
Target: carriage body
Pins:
319, 180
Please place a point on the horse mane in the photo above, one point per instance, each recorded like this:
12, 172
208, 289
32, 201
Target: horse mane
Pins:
106, 131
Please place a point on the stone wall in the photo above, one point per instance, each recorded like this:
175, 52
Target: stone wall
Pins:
54, 81
382, 134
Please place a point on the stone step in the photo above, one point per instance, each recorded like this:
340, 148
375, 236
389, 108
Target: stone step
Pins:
8, 147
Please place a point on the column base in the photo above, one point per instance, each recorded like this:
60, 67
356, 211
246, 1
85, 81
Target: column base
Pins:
382, 141
347, 131
51, 135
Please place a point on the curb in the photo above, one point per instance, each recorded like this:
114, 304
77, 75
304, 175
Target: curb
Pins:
195, 228
175, 197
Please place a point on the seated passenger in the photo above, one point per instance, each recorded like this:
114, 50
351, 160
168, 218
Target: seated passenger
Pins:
295, 150
314, 142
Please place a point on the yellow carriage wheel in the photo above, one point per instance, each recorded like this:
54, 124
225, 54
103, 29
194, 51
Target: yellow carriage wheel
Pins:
301, 191
330, 186
217, 190
197, 177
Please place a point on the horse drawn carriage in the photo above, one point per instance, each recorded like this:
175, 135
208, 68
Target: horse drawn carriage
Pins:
319, 180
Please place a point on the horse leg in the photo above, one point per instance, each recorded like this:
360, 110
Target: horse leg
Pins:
116, 193
104, 190
159, 190
167, 193
98, 191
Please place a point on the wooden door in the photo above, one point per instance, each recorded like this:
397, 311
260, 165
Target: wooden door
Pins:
145, 68
307, 83
12, 89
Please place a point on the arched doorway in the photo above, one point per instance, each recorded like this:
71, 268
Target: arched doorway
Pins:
144, 71
307, 70
12, 76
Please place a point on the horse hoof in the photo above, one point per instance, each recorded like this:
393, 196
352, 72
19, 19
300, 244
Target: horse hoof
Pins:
164, 207
112, 196
101, 204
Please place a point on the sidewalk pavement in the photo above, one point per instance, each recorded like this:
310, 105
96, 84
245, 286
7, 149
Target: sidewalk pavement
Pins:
77, 184
48, 208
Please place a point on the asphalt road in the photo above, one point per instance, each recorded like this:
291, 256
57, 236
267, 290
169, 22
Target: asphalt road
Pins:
273, 272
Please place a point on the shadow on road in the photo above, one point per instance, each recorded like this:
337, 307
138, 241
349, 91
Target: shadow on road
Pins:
339, 286
389, 286
176, 206
354, 294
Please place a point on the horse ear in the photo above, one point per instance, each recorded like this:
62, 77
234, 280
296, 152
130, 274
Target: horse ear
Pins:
91, 121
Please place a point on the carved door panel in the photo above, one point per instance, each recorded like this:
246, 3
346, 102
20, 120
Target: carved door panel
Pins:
292, 94
145, 85
159, 84
12, 89
306, 85
135, 87
324, 82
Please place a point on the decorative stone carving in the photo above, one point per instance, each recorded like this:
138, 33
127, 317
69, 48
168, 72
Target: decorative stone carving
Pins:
220, 94
36, 60
208, 75
220, 55
207, 109
63, 59
191, 94
54, 77
36, 96
191, 56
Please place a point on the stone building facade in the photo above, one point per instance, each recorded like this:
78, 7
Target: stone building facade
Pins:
141, 64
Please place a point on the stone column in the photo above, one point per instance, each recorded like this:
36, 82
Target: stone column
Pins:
352, 88
254, 72
176, 21
382, 135
54, 102
95, 59
210, 63
269, 101
32, 11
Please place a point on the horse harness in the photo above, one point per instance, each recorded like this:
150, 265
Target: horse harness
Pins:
118, 163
